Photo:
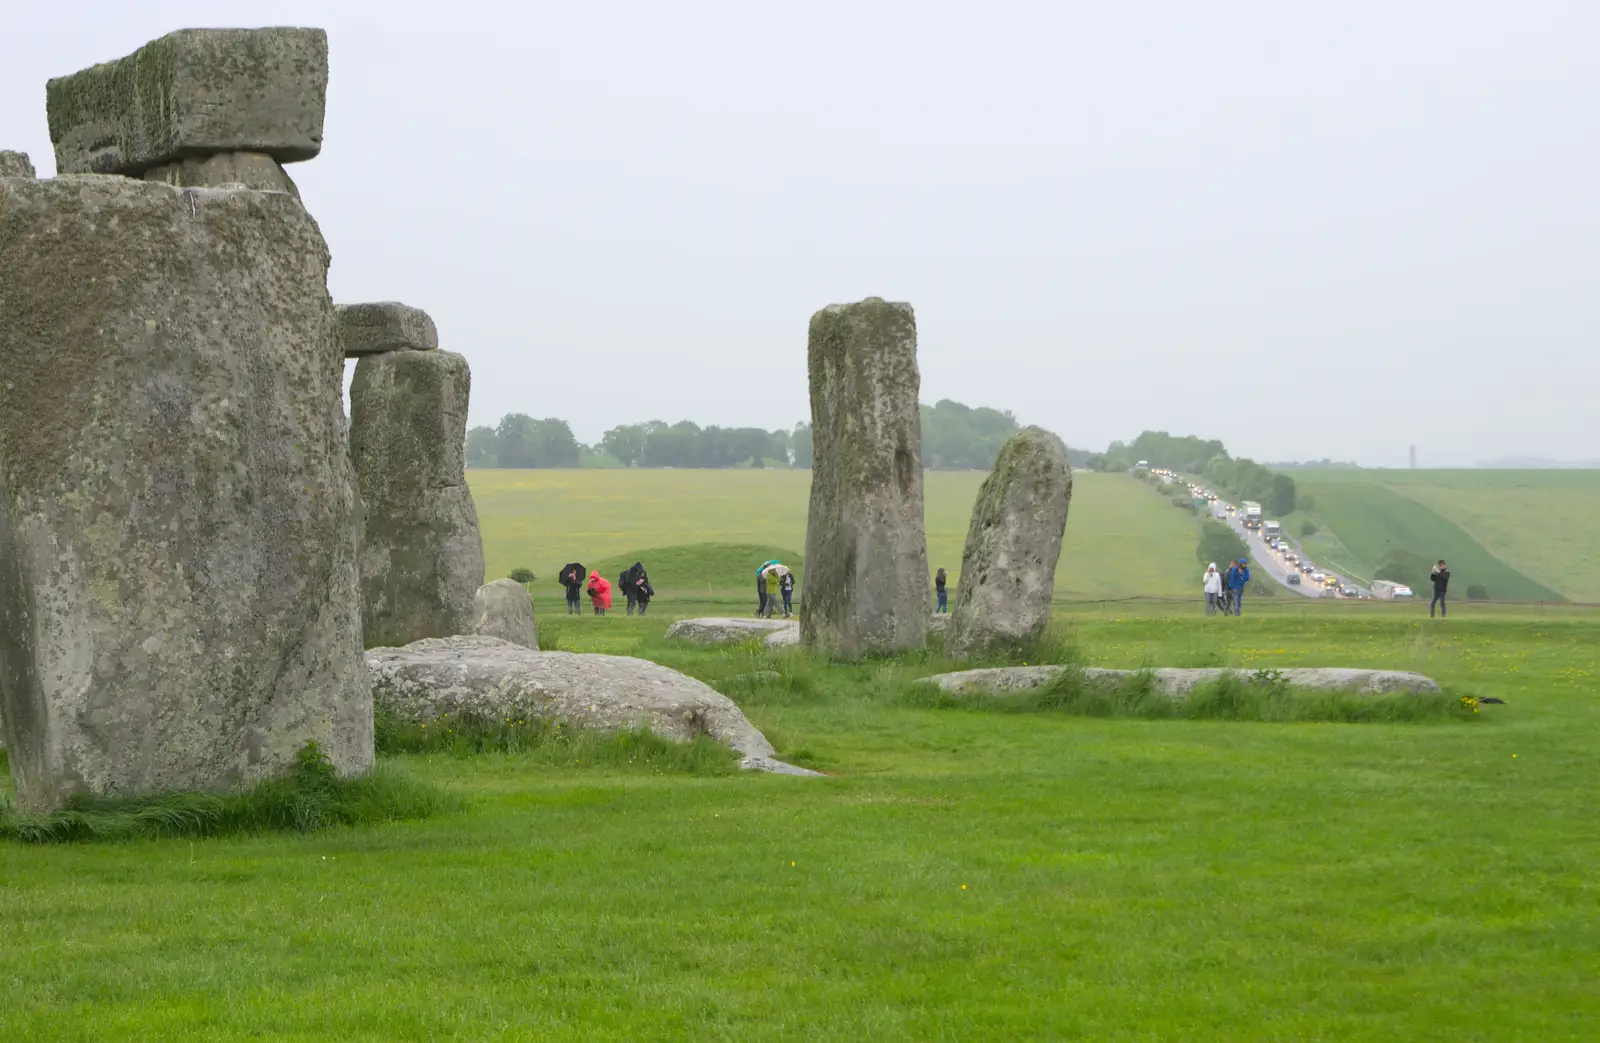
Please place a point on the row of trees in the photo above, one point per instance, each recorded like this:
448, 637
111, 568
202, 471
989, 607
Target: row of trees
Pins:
954, 437
1185, 453
1248, 480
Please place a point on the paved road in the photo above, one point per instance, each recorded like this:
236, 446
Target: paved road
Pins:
1264, 559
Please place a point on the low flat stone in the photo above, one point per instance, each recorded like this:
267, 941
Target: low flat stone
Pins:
195, 92
16, 164
382, 326
1178, 682
721, 630
253, 170
494, 679
505, 610
785, 638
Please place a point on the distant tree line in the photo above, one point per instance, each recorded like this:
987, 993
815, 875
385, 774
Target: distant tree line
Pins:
1186, 453
1248, 480
1316, 465
954, 437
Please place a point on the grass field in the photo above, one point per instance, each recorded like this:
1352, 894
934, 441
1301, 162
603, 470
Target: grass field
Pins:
961, 875
1122, 537
1543, 524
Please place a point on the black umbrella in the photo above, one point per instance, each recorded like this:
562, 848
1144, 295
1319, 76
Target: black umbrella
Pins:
573, 566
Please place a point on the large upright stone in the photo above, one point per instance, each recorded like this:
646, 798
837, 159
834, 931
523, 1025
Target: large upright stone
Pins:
866, 554
421, 554
1008, 569
504, 609
15, 164
178, 599
195, 92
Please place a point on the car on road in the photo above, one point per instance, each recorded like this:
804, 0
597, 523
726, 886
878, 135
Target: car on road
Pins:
1307, 568
1294, 579
1318, 577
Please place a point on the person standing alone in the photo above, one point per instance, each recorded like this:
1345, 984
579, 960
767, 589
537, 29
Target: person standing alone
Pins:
1441, 582
1211, 583
939, 591
1238, 576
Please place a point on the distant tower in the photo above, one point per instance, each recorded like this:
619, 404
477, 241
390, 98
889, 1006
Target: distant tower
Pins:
1413, 458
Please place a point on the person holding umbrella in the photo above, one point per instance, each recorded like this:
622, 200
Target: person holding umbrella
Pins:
571, 577
761, 587
642, 590
786, 585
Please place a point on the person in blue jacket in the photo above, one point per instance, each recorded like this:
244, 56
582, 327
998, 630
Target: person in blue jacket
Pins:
1238, 576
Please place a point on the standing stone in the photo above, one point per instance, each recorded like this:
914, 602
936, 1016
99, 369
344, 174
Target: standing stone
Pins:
16, 164
866, 554
178, 527
1008, 569
505, 610
372, 329
421, 555
193, 93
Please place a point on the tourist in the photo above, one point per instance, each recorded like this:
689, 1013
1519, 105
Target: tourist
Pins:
599, 594
1441, 582
572, 579
1238, 576
761, 594
786, 585
772, 578
939, 591
625, 584
1211, 582
641, 590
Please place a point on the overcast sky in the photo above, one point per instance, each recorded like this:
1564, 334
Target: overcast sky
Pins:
1306, 229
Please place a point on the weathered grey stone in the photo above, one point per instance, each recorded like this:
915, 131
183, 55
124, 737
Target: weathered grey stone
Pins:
1008, 569
505, 610
718, 630
492, 680
373, 329
421, 553
939, 623
16, 164
866, 553
255, 170
195, 92
788, 637
1178, 682
178, 527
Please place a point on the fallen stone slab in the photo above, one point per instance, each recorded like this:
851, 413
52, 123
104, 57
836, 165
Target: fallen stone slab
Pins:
505, 610
1178, 682
16, 164
195, 92
384, 326
789, 635
178, 524
491, 679
723, 630
253, 170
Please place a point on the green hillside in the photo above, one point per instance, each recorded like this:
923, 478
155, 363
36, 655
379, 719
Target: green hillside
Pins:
1123, 537
1469, 518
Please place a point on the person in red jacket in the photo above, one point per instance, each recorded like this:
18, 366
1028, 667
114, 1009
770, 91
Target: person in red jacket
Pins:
599, 593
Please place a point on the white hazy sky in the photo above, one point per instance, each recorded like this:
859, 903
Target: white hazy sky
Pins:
1306, 229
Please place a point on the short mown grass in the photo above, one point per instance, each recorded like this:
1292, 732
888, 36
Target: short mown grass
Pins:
961, 874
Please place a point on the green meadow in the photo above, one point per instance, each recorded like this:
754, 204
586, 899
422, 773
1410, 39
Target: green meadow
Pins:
1530, 531
961, 873
1122, 537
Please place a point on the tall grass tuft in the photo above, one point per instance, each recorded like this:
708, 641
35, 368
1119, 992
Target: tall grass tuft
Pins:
310, 797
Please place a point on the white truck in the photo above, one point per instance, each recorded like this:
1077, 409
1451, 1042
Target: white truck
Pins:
1271, 530
1382, 588
1251, 513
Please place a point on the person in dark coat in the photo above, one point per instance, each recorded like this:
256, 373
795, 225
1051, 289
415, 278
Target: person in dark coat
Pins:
939, 582
761, 593
786, 585
572, 579
625, 584
1441, 582
642, 590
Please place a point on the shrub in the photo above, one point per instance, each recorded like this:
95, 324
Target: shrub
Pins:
523, 575
1477, 592
1308, 528
1219, 543
1404, 566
